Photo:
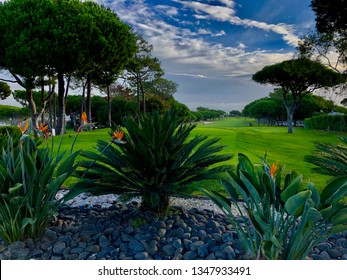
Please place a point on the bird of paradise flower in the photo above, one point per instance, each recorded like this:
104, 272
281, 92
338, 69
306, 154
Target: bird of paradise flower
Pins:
23, 126
117, 137
44, 130
84, 123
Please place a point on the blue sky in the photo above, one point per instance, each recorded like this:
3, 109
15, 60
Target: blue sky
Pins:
212, 48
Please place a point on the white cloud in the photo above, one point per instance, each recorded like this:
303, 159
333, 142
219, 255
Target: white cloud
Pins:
227, 14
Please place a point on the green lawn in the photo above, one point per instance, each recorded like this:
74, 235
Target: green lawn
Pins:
239, 137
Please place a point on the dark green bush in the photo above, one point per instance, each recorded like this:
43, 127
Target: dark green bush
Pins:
327, 122
159, 159
30, 177
281, 219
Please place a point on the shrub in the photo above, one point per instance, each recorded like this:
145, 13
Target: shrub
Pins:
327, 122
156, 160
12, 131
281, 221
29, 180
330, 159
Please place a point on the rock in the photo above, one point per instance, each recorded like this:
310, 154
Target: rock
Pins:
103, 241
126, 237
187, 243
161, 232
93, 249
228, 236
202, 234
141, 256
136, 245
168, 250
325, 255
229, 251
334, 253
323, 247
191, 255
58, 248
195, 245
152, 248
177, 243
317, 257
203, 250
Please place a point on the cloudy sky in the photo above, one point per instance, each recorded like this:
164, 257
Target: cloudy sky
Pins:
212, 48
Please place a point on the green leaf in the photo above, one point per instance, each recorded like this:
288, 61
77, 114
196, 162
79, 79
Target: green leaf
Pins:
292, 188
27, 221
340, 217
315, 194
295, 204
332, 188
16, 187
67, 165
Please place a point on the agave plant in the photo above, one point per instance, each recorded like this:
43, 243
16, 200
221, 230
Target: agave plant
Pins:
30, 177
280, 220
156, 159
330, 159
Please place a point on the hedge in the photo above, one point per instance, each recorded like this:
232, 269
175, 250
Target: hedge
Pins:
327, 122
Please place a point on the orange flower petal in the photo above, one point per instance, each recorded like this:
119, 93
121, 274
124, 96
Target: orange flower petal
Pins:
84, 117
25, 127
273, 169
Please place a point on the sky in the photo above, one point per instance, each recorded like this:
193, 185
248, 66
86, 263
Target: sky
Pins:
211, 49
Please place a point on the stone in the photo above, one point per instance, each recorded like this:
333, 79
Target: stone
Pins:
168, 250
202, 234
152, 248
177, 243
325, 255
161, 232
334, 253
187, 243
195, 245
59, 247
227, 236
136, 245
93, 249
103, 241
191, 255
203, 250
229, 251
141, 256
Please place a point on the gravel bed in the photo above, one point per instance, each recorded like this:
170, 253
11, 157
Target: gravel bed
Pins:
93, 228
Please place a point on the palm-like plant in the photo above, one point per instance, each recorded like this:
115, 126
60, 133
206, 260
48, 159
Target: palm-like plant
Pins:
156, 160
330, 159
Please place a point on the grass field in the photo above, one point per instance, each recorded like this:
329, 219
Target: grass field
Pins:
239, 137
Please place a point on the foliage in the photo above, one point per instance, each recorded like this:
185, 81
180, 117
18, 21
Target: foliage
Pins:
327, 122
9, 131
69, 37
5, 90
330, 159
11, 112
30, 177
210, 114
297, 77
156, 161
280, 220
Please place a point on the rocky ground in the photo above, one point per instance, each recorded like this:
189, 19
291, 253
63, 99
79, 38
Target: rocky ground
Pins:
91, 228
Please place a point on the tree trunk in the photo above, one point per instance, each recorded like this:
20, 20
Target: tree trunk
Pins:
88, 100
290, 114
138, 92
109, 122
33, 111
42, 102
60, 129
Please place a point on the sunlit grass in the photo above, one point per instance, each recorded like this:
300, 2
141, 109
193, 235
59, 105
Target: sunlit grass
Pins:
239, 137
